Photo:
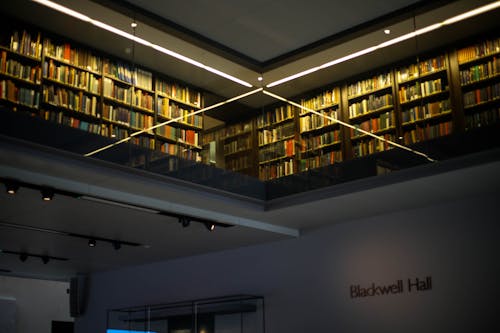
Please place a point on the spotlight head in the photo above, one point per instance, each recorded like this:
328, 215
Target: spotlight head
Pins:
47, 194
185, 221
92, 242
117, 245
45, 259
11, 186
23, 257
210, 226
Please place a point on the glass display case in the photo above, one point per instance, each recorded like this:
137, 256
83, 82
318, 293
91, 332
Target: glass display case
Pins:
229, 314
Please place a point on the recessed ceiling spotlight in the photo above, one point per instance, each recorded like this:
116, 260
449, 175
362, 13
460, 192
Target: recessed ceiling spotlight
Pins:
260, 78
387, 31
47, 194
133, 25
92, 242
210, 226
11, 186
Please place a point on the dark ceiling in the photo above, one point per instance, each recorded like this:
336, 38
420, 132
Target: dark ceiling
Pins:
263, 30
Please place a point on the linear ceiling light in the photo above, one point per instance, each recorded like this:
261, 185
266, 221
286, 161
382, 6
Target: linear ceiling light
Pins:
451, 20
139, 40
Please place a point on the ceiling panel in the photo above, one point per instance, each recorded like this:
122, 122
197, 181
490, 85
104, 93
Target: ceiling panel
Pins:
264, 29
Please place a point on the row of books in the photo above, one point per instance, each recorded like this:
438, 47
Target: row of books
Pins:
414, 71
482, 118
178, 134
279, 114
369, 85
26, 44
323, 100
419, 90
384, 121
313, 121
238, 164
76, 101
487, 47
268, 136
171, 110
123, 72
322, 160
426, 132
370, 104
143, 141
114, 131
79, 57
480, 72
72, 76
20, 95
425, 111
319, 141
370, 146
277, 150
179, 92
111, 90
235, 129
63, 119
22, 71
276, 170
481, 95
126, 117
142, 99
237, 145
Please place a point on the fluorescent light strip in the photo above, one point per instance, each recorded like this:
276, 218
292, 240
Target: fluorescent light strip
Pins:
139, 40
173, 120
392, 143
451, 20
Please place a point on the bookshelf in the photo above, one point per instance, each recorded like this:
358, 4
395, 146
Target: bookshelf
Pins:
20, 70
424, 99
320, 137
479, 66
239, 147
175, 101
371, 108
74, 86
277, 138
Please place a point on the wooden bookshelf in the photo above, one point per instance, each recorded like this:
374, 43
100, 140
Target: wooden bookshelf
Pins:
371, 108
424, 99
75, 86
277, 139
479, 68
320, 135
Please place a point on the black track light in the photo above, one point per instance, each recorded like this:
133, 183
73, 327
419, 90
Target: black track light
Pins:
47, 193
11, 186
23, 257
210, 226
117, 245
45, 259
185, 221
92, 242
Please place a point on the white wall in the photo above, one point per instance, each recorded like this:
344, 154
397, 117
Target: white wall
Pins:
38, 302
306, 281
